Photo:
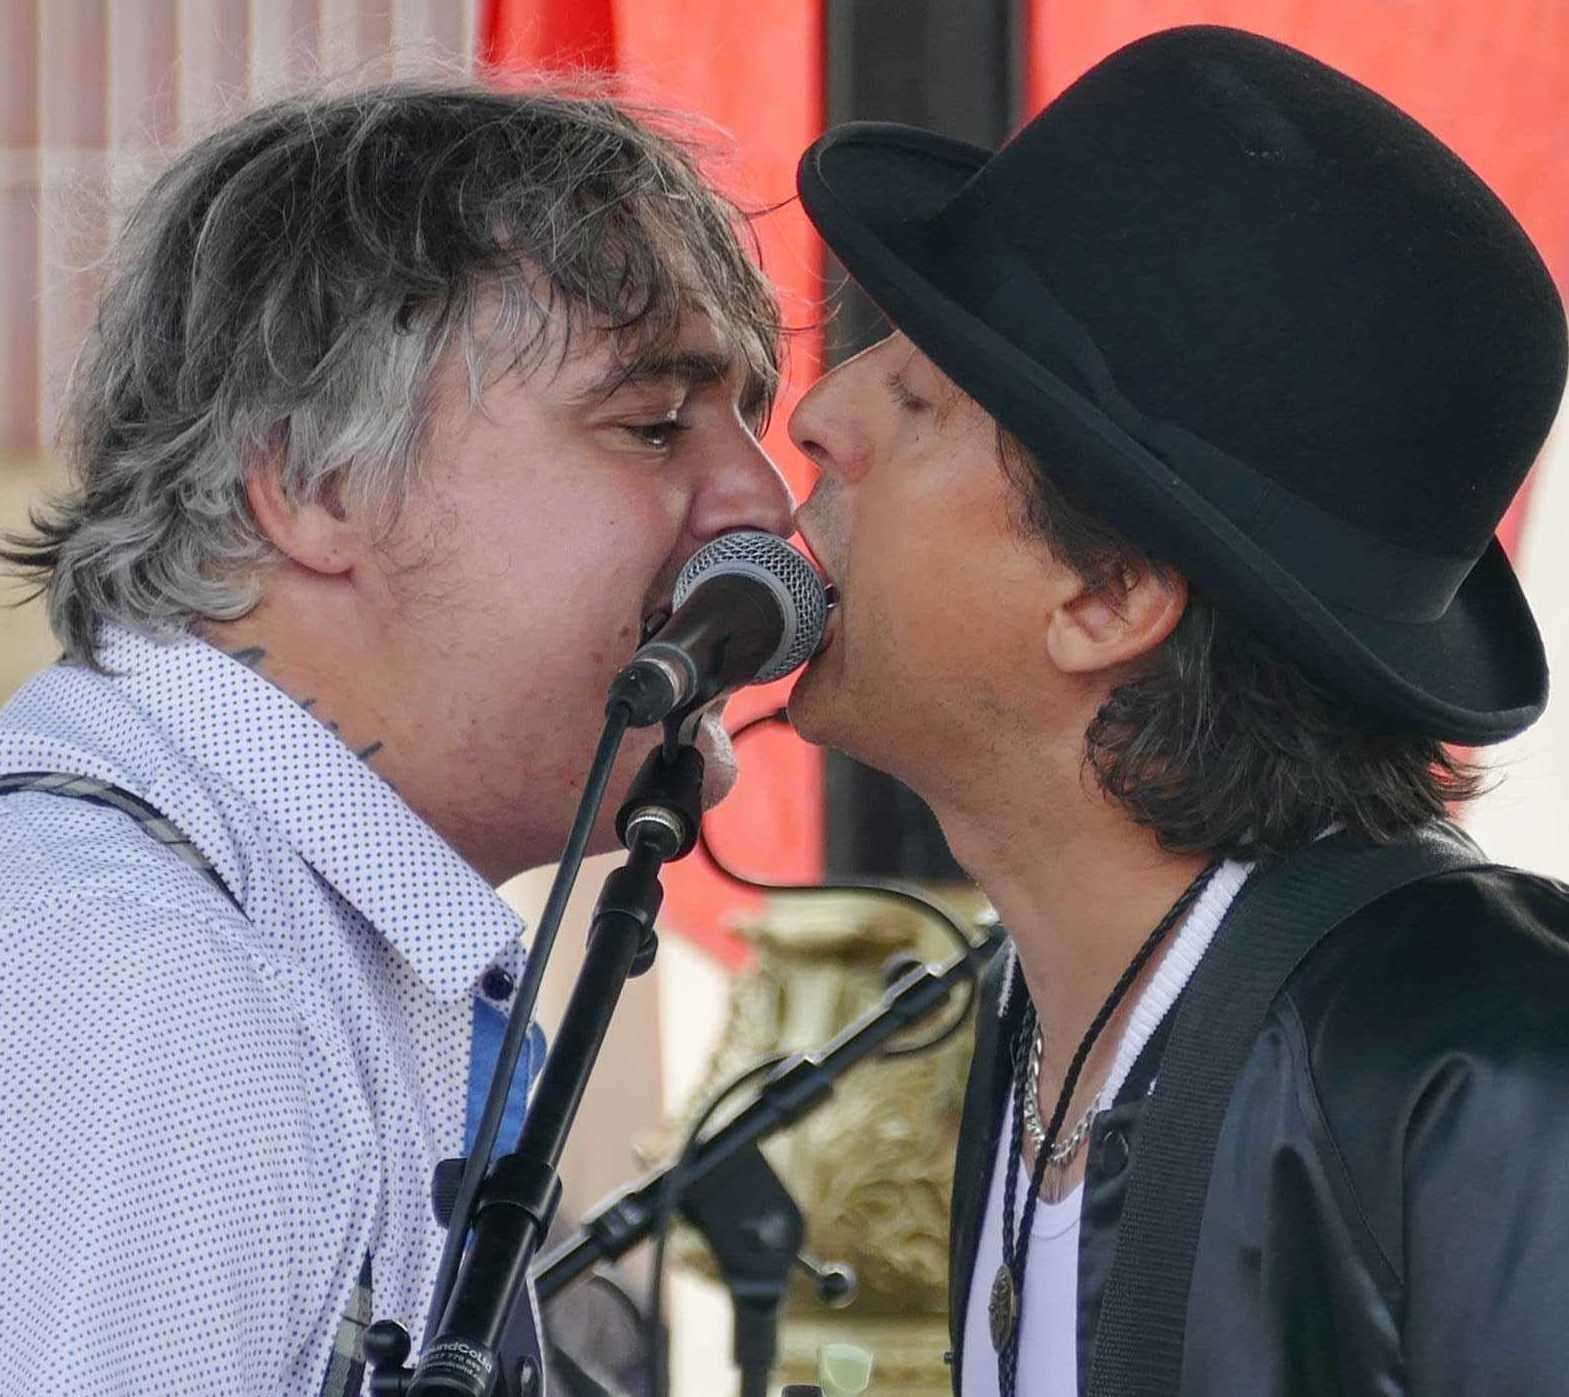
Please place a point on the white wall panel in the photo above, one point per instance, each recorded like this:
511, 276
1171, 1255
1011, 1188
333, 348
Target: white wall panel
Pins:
213, 38
97, 94
356, 39
285, 40
73, 169
19, 196
1524, 820
423, 33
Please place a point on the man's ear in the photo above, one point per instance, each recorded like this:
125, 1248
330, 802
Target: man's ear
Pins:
317, 535
1115, 624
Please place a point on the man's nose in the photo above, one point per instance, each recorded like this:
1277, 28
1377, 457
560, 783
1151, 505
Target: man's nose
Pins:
828, 428
807, 424
746, 491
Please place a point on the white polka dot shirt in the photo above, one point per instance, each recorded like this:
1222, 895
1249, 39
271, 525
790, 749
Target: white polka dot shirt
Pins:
207, 1120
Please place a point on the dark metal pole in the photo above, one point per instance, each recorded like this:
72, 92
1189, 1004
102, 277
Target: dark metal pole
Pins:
956, 67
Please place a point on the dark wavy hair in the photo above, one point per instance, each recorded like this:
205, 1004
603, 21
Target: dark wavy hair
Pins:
1223, 744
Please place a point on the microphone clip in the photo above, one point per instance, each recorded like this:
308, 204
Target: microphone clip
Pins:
664, 807
666, 800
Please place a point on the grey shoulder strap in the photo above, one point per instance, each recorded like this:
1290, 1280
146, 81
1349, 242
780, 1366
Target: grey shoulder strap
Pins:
346, 1371
153, 821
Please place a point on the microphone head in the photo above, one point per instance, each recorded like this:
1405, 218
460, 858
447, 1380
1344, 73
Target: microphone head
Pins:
792, 580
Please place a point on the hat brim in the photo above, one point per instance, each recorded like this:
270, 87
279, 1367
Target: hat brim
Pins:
1476, 674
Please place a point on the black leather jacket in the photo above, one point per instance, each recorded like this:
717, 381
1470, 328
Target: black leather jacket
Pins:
1388, 1211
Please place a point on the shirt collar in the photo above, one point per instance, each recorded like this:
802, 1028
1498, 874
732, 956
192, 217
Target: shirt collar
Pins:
346, 822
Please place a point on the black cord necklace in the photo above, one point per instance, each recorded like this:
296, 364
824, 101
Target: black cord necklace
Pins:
1007, 1294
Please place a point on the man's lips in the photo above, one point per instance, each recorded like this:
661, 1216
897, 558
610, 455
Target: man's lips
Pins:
831, 620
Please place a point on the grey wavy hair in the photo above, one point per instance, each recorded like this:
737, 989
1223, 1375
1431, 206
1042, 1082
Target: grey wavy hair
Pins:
284, 291
1224, 745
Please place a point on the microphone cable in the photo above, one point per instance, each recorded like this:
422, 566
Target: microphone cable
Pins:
874, 887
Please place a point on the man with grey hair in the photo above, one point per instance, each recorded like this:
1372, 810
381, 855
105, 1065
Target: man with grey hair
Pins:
401, 414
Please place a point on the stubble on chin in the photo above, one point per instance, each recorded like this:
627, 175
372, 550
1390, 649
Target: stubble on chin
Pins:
815, 704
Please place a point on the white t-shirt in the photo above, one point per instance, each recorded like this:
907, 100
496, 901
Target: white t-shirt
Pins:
1049, 1315
1048, 1348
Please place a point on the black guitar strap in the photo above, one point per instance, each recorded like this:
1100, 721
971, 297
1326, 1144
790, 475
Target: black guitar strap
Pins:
1282, 913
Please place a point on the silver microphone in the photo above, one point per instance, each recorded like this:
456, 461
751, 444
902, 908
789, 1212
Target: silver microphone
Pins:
748, 608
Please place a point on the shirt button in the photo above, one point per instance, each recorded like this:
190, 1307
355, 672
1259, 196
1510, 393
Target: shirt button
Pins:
497, 984
1114, 1152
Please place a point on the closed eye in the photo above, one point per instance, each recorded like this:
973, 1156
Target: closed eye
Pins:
903, 396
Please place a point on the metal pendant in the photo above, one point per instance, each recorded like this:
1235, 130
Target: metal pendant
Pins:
1003, 1307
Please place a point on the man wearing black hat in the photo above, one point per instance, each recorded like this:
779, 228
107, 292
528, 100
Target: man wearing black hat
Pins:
1163, 531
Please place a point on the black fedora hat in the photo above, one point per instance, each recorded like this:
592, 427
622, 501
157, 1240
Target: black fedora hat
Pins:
1263, 323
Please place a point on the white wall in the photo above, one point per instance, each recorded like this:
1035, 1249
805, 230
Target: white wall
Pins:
1525, 820
95, 90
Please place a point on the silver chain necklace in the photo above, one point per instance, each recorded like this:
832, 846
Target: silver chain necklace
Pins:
1061, 1154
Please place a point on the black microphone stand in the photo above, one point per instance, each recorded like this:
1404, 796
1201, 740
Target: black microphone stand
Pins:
751, 1223
797, 1086
755, 1230
473, 1353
